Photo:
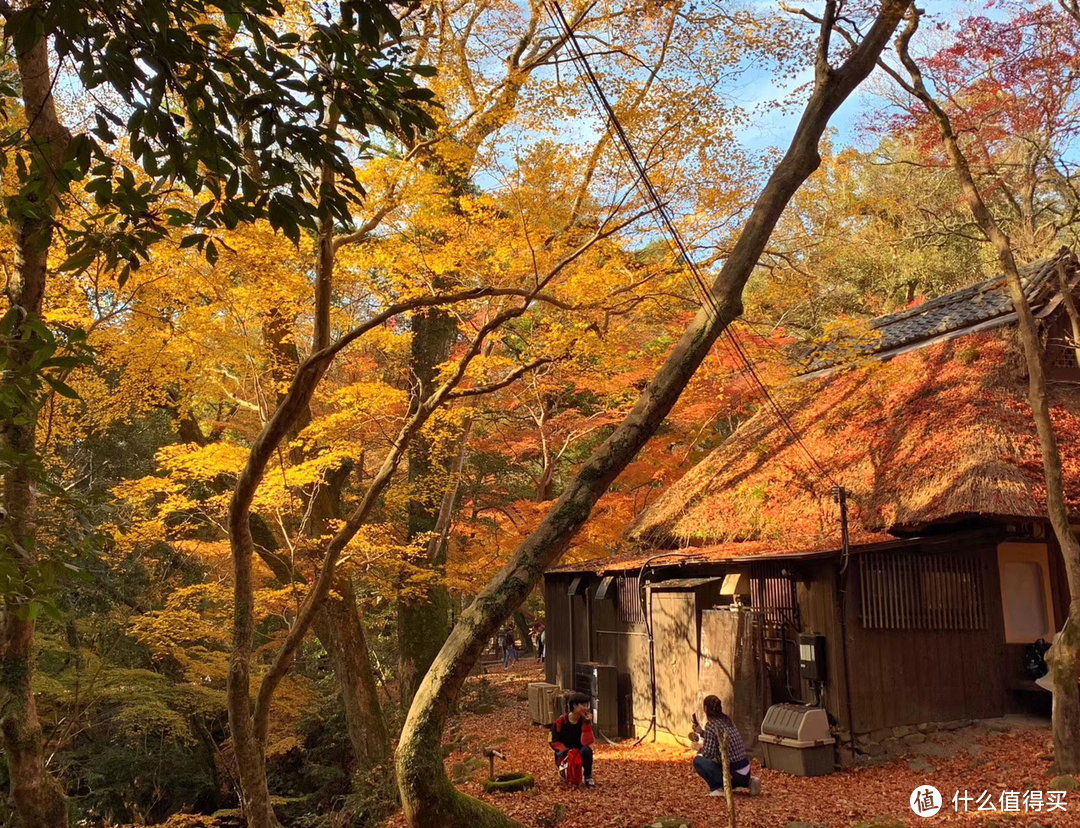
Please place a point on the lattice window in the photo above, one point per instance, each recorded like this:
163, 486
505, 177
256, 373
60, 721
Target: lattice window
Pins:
1060, 353
910, 591
773, 592
628, 599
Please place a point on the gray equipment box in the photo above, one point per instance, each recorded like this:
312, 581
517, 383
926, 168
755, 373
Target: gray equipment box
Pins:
796, 740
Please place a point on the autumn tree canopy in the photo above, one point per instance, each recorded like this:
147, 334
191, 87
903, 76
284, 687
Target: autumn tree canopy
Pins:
312, 312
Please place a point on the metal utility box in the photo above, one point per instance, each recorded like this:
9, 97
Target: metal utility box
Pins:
795, 739
546, 702
601, 683
812, 657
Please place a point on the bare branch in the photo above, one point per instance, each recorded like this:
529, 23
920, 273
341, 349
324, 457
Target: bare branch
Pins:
821, 62
509, 379
365, 229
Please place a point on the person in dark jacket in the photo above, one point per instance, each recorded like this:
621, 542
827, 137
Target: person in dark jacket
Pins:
573, 731
708, 762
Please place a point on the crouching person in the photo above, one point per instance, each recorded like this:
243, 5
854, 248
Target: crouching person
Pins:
709, 763
571, 739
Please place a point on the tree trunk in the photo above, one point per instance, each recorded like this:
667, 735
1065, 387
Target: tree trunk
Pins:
1065, 654
39, 801
250, 723
423, 622
1063, 659
545, 488
725, 763
338, 624
1070, 308
428, 798
522, 624
341, 632
247, 735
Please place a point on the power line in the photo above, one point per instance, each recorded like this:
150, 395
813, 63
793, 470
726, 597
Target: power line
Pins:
615, 128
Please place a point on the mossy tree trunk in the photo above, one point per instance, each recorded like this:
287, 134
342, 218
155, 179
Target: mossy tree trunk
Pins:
1064, 657
423, 617
341, 631
428, 798
39, 801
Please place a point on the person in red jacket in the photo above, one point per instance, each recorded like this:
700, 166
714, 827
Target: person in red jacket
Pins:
573, 731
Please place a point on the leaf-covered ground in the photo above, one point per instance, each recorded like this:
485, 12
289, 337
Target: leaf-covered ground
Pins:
636, 785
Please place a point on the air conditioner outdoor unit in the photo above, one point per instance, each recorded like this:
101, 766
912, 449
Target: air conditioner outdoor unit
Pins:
601, 683
546, 702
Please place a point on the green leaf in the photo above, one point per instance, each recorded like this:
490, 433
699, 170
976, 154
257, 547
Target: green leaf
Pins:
61, 387
78, 261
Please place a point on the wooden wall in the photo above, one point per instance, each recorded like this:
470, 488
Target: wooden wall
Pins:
599, 636
731, 667
676, 649
904, 677
557, 629
898, 677
625, 645
817, 597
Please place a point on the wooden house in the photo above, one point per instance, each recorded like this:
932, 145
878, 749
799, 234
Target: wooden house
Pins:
951, 567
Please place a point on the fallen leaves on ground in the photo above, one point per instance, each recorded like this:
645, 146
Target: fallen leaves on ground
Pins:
636, 785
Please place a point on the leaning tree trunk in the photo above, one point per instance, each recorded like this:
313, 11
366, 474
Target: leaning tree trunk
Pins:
1064, 657
39, 801
428, 798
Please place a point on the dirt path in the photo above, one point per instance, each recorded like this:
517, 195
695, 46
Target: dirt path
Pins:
637, 785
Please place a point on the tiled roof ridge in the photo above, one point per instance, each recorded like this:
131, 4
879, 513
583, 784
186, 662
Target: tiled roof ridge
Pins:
950, 314
966, 292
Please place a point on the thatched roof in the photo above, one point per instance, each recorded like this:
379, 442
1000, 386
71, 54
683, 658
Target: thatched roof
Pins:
932, 427
934, 435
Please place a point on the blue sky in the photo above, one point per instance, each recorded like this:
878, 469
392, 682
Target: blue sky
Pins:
756, 89
776, 128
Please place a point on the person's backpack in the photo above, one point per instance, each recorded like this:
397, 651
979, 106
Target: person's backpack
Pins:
1035, 659
573, 771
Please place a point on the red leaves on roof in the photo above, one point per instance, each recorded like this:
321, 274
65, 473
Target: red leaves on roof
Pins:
937, 434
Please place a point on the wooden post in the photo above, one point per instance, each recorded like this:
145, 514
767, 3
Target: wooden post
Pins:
728, 793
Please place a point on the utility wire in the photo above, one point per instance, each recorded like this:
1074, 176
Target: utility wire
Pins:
579, 59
